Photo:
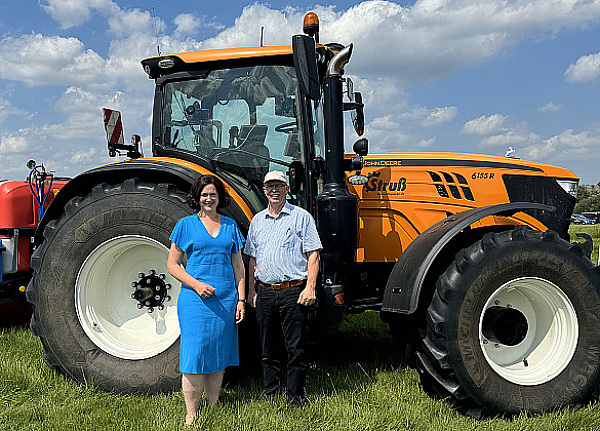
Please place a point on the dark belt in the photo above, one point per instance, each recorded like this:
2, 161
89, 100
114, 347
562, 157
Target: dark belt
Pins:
283, 285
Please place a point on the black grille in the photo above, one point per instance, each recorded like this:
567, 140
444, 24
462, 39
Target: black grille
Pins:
435, 177
442, 190
455, 192
544, 190
460, 178
448, 177
468, 194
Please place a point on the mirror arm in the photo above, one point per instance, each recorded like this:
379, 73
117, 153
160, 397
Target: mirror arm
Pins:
352, 106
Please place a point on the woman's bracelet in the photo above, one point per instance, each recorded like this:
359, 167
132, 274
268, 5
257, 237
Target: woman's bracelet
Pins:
242, 300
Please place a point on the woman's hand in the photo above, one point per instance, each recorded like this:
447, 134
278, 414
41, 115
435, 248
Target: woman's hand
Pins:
204, 290
240, 312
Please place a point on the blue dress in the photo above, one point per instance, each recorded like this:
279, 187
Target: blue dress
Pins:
209, 338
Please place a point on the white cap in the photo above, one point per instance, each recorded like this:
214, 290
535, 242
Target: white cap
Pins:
275, 176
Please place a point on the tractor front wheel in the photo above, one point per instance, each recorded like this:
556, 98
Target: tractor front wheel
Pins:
513, 326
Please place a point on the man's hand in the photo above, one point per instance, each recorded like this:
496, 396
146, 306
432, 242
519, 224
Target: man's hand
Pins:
307, 297
252, 297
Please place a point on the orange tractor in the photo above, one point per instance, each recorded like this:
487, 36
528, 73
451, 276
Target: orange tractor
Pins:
466, 256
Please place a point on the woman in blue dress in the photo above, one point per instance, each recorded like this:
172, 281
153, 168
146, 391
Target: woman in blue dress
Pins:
205, 256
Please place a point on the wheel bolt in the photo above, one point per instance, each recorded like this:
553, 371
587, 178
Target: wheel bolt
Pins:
497, 346
132, 296
141, 275
168, 298
150, 310
139, 306
162, 276
134, 284
147, 303
157, 297
157, 288
168, 286
161, 307
496, 302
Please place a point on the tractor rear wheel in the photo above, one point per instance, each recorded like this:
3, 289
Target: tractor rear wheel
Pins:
513, 326
104, 303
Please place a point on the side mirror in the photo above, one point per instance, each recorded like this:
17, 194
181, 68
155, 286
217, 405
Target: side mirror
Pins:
361, 147
358, 114
296, 173
305, 63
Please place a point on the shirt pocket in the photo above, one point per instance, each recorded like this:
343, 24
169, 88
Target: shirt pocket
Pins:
292, 239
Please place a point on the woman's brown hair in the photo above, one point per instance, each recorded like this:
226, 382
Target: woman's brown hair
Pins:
193, 198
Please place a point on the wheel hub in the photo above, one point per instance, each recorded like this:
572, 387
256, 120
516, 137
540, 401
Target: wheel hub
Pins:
151, 290
528, 331
125, 324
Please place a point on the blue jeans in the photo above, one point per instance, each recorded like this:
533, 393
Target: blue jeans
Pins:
277, 313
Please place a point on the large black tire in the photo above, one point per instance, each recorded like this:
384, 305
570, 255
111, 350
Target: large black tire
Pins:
513, 326
91, 328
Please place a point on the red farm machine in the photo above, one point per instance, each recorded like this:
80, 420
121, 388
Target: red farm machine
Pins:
22, 205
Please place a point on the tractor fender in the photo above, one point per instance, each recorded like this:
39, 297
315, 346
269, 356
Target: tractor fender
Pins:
181, 174
404, 285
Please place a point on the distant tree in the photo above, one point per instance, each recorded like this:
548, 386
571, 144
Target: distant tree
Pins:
587, 190
588, 204
588, 198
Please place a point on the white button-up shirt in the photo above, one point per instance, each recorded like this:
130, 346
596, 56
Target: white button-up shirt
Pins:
281, 244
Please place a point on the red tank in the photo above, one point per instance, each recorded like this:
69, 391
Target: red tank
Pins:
18, 208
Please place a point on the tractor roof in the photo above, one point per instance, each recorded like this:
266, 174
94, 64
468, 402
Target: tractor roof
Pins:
209, 59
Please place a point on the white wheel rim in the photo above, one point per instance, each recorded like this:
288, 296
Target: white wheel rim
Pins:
106, 311
546, 348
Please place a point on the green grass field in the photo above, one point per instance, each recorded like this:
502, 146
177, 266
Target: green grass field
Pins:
356, 382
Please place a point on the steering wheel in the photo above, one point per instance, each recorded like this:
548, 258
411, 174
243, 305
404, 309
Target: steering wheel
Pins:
286, 127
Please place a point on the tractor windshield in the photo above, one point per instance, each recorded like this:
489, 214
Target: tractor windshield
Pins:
244, 119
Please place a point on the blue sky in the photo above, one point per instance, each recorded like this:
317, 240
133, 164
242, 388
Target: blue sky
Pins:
436, 75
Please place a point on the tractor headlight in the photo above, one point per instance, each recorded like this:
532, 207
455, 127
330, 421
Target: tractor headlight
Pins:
570, 186
166, 63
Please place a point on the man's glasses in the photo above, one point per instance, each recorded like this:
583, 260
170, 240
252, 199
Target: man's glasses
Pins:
274, 186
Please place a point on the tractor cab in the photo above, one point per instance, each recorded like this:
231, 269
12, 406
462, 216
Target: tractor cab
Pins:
243, 121
243, 112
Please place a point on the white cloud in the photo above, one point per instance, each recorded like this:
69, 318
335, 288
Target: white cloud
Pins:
438, 116
13, 144
41, 60
567, 146
127, 23
83, 155
187, 24
585, 69
550, 107
5, 109
430, 117
71, 13
433, 37
510, 138
484, 125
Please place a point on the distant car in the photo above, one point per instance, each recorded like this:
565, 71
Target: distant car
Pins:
581, 219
